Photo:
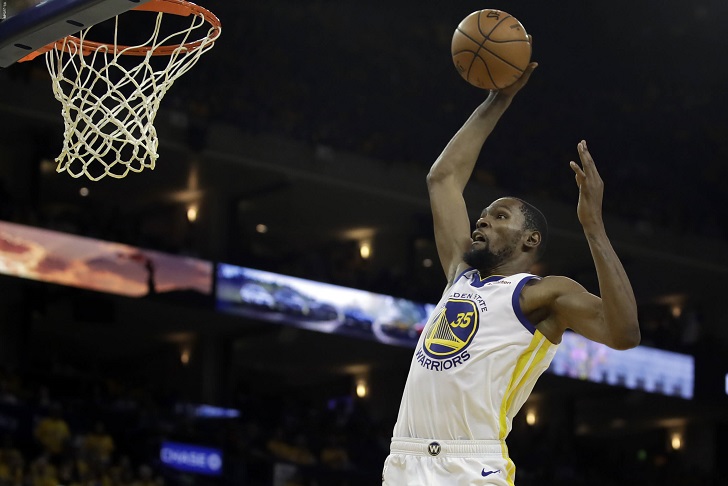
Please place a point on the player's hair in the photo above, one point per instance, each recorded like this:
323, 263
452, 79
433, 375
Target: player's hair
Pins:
535, 220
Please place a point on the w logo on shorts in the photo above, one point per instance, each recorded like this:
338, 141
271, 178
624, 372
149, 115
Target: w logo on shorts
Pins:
433, 448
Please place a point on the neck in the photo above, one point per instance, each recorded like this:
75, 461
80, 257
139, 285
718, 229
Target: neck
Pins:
505, 269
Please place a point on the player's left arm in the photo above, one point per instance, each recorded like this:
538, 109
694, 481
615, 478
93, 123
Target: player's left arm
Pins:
611, 319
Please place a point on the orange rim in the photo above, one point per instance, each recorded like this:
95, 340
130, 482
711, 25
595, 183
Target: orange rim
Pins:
181, 8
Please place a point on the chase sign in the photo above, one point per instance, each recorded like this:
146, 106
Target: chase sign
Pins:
191, 458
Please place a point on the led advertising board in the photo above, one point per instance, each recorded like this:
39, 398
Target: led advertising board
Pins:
641, 368
318, 306
329, 308
77, 261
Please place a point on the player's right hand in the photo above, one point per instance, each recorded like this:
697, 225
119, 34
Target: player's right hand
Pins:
591, 189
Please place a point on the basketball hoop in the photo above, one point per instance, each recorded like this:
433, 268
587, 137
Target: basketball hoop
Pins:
108, 106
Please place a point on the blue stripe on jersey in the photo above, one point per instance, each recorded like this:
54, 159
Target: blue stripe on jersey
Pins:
463, 273
476, 281
479, 282
515, 300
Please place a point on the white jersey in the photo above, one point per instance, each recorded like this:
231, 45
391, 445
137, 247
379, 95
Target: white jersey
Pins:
475, 364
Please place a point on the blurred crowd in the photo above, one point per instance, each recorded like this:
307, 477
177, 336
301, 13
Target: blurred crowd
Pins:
79, 429
64, 427
71, 430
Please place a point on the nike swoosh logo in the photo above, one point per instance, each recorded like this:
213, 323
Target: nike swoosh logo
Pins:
488, 473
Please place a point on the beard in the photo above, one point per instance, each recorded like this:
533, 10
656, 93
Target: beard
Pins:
484, 260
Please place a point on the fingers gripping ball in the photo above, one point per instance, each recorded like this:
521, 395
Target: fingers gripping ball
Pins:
490, 49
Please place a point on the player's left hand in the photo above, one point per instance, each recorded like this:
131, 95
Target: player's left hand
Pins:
591, 188
511, 90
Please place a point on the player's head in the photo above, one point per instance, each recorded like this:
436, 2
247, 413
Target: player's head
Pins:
510, 229
535, 221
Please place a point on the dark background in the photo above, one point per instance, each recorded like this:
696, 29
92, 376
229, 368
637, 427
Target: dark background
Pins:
320, 120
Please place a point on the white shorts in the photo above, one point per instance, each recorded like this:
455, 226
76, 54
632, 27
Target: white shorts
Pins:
428, 462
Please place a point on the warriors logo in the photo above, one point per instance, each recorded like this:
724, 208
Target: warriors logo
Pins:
453, 329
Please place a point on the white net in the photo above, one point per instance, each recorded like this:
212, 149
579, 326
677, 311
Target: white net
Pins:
110, 98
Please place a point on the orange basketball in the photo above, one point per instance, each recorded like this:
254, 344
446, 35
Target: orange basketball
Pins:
490, 49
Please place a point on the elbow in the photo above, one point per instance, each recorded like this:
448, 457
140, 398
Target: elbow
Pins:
440, 172
435, 176
628, 339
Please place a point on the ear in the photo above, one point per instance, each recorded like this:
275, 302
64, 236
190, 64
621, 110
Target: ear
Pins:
533, 239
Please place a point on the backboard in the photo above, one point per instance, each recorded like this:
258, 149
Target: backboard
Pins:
109, 100
28, 25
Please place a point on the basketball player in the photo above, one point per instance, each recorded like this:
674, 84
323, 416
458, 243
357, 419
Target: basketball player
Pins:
497, 327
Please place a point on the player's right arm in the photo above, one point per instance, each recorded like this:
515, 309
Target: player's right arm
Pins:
451, 171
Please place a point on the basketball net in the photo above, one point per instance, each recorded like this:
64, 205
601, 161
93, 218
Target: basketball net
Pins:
109, 107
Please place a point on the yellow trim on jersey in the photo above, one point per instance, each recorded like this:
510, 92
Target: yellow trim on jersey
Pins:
531, 357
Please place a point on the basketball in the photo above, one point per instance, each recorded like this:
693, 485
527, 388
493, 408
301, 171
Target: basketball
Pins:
490, 49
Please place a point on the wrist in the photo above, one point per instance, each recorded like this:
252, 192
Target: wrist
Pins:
499, 98
594, 230
495, 103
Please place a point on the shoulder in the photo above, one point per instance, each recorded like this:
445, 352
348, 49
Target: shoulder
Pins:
543, 292
556, 283
542, 299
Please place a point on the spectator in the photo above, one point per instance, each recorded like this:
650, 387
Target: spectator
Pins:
121, 473
68, 472
53, 433
43, 473
98, 445
11, 464
146, 477
333, 454
295, 452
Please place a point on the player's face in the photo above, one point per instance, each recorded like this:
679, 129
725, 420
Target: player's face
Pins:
497, 234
